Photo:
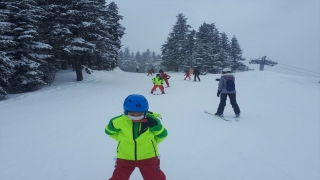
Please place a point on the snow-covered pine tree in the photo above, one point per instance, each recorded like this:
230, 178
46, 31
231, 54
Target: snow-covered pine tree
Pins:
223, 56
120, 59
101, 36
189, 46
175, 49
127, 65
139, 61
116, 30
133, 60
153, 60
81, 24
7, 45
236, 55
55, 32
147, 59
31, 53
207, 48
3, 93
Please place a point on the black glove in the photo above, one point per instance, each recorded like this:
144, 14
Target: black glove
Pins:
218, 93
217, 79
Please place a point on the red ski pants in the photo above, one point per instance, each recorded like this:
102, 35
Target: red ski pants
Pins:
159, 86
149, 169
187, 77
167, 82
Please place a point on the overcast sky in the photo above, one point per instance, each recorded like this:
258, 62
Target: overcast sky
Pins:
286, 31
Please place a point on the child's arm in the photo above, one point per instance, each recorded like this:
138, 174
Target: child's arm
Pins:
111, 130
157, 129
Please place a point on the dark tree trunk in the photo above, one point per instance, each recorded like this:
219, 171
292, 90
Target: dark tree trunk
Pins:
78, 68
99, 62
89, 60
64, 64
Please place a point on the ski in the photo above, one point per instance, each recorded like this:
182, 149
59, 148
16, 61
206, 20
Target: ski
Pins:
205, 111
157, 93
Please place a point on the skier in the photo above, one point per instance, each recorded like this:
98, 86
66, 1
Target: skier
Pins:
196, 74
165, 76
187, 74
138, 132
149, 72
157, 81
227, 88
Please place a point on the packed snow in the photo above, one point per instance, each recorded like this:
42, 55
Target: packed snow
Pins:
57, 132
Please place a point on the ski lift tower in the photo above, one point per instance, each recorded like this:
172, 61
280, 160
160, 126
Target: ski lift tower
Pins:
263, 61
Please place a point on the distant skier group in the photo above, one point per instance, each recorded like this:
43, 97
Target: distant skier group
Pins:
158, 81
195, 72
226, 87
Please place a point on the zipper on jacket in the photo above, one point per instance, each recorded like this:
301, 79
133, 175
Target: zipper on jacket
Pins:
135, 143
154, 148
118, 146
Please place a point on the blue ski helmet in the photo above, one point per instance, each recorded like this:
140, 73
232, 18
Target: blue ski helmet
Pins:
135, 103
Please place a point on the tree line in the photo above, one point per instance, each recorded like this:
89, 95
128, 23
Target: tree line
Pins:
40, 37
138, 62
207, 49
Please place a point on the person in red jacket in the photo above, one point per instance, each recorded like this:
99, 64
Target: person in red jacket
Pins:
187, 75
149, 72
165, 76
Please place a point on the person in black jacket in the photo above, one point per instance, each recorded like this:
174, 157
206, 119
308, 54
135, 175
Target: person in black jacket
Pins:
196, 74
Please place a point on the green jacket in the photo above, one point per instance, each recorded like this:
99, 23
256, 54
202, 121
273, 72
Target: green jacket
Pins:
157, 81
136, 140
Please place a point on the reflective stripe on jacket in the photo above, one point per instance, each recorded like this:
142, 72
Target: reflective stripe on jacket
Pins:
136, 140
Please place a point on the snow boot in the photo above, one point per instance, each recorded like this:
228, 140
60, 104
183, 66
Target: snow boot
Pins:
217, 114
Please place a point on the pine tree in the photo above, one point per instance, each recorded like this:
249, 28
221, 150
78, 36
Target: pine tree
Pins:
236, 55
223, 57
207, 48
127, 65
133, 60
147, 59
116, 30
175, 50
54, 30
3, 93
190, 46
139, 61
7, 45
81, 23
30, 56
120, 59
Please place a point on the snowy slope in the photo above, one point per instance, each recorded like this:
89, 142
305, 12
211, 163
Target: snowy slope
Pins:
57, 133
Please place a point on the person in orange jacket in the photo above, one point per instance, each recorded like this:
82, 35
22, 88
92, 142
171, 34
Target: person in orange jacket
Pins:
191, 70
165, 76
187, 74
